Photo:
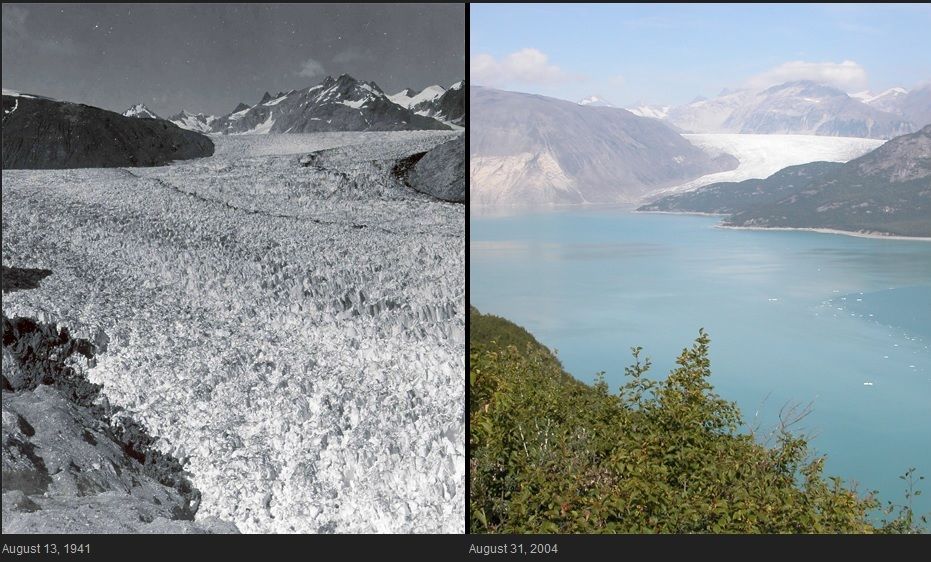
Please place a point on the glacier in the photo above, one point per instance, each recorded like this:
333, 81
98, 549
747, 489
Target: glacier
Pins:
761, 155
284, 316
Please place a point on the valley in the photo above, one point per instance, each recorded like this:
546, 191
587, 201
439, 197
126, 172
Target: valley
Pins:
293, 332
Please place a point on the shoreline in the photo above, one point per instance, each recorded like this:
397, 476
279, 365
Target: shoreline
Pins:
857, 234
854, 233
692, 213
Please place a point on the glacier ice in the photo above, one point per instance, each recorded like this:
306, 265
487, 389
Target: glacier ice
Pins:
284, 315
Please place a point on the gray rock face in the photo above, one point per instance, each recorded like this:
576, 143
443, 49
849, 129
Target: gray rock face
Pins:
40, 133
441, 172
916, 106
337, 104
193, 121
529, 149
449, 107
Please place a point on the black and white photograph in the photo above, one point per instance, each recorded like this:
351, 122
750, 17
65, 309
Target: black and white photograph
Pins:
233, 268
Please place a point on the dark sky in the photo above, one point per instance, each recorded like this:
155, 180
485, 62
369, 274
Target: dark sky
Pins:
209, 57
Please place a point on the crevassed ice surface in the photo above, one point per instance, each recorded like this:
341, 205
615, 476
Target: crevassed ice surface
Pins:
296, 332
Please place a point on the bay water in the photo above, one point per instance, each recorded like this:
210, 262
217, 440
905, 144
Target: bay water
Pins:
799, 319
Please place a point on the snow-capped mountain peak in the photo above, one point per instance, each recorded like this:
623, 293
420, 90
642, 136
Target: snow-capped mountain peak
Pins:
595, 101
403, 97
193, 121
869, 98
446, 105
411, 99
336, 104
140, 110
654, 111
888, 100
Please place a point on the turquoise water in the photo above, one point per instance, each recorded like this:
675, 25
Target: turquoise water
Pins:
794, 318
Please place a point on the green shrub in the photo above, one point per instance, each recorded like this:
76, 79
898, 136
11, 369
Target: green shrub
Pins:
550, 454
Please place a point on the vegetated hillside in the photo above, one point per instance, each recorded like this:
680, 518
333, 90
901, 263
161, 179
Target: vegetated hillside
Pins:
887, 190
491, 330
549, 454
40, 133
723, 198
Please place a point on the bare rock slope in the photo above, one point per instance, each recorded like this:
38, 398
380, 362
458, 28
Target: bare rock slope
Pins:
441, 172
40, 133
530, 149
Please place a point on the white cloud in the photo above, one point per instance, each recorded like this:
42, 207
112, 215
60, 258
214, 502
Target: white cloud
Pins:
848, 75
526, 66
311, 69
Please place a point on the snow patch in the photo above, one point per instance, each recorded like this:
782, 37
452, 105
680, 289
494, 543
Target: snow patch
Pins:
16, 94
240, 114
275, 101
356, 104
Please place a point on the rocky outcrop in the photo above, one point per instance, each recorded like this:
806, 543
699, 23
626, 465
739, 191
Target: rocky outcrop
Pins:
40, 133
441, 172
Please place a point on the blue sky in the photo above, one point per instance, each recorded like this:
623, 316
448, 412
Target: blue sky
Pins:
671, 53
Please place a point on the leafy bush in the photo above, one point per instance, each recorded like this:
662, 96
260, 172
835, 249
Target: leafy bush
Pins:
550, 454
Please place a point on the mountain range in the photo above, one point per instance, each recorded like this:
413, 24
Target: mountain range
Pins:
336, 104
886, 191
800, 107
531, 149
